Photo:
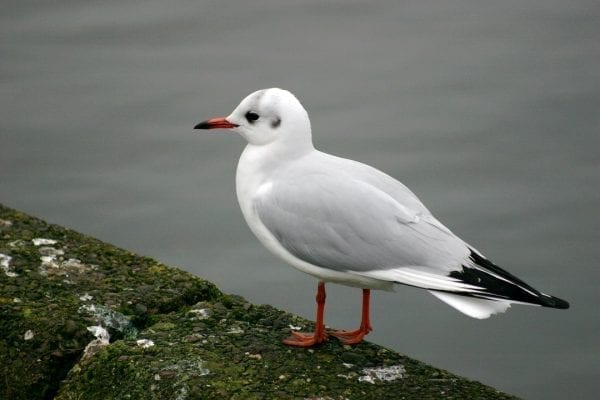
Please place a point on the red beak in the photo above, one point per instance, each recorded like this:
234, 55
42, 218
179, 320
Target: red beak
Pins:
215, 123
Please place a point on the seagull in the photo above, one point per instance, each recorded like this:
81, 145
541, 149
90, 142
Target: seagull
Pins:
346, 222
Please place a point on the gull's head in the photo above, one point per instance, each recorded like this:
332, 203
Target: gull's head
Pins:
267, 116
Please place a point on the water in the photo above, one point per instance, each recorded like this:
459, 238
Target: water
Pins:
489, 112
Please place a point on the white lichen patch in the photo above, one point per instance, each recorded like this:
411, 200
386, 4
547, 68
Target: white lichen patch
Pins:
48, 264
87, 309
75, 263
5, 265
4, 223
48, 257
86, 297
253, 356
384, 374
102, 340
366, 378
49, 261
43, 242
190, 367
52, 263
235, 330
17, 243
144, 343
201, 313
28, 335
100, 333
48, 251
106, 317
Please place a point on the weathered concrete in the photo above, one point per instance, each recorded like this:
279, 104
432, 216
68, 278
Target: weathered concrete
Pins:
168, 334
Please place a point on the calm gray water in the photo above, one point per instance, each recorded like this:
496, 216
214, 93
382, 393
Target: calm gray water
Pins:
489, 112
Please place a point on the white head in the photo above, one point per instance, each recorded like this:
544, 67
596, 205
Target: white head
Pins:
267, 116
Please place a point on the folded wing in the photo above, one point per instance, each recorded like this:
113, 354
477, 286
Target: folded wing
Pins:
354, 219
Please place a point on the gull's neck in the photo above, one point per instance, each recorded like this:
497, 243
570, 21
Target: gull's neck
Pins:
261, 159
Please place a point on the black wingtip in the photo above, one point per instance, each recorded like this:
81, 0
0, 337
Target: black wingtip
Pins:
509, 287
554, 302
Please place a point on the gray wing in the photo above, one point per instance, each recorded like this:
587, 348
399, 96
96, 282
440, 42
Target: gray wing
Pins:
346, 216
342, 219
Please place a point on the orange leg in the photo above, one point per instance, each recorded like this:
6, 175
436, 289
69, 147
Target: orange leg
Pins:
319, 335
357, 335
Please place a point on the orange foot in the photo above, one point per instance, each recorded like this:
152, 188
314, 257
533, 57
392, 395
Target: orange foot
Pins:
351, 337
308, 339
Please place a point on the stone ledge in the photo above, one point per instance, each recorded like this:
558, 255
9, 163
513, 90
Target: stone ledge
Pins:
82, 319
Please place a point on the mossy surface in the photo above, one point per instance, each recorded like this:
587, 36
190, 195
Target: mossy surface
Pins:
172, 335
51, 293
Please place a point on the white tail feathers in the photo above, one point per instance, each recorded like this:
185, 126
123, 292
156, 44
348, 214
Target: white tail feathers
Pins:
473, 306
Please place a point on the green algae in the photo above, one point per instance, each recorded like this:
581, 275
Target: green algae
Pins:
127, 292
172, 335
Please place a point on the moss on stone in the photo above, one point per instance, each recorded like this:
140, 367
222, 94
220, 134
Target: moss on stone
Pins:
91, 283
173, 335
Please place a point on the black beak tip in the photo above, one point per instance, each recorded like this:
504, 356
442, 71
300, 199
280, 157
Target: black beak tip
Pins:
202, 125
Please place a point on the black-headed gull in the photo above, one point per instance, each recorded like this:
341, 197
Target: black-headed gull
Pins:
346, 222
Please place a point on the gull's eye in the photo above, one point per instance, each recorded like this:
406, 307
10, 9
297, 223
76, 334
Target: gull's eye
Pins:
251, 116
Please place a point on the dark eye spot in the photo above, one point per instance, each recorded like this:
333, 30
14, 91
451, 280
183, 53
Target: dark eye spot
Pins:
251, 116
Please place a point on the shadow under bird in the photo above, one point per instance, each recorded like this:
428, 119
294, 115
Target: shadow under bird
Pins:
346, 222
